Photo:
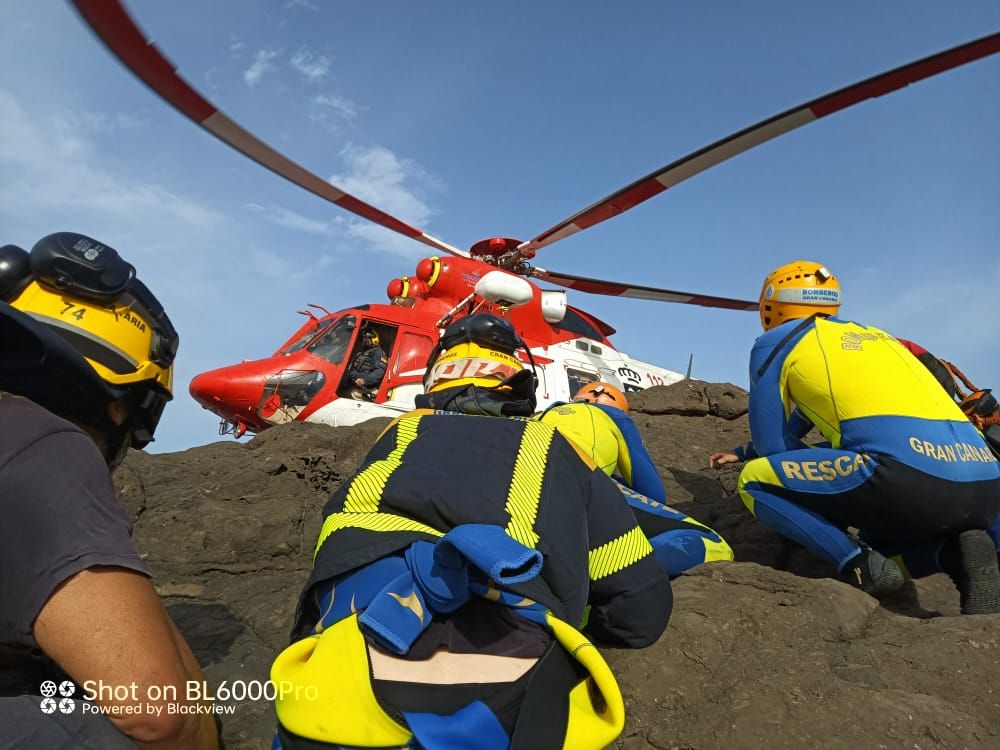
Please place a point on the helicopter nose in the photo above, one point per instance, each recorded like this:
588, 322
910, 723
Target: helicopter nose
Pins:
231, 392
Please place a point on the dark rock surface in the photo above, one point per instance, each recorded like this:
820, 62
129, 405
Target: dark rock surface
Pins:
765, 652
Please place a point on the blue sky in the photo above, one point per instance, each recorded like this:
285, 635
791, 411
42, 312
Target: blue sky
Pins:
480, 119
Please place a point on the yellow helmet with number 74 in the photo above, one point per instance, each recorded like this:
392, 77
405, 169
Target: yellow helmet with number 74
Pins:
74, 290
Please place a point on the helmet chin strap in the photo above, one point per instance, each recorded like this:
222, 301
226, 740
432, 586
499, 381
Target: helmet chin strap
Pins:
117, 442
115, 439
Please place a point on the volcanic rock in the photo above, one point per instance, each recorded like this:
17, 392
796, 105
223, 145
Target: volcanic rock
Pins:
769, 651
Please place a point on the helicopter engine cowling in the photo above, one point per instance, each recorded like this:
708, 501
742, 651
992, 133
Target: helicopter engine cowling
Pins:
449, 278
428, 270
398, 288
504, 289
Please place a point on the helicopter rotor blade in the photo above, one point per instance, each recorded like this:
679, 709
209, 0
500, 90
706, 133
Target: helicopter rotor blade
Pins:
113, 25
748, 138
635, 291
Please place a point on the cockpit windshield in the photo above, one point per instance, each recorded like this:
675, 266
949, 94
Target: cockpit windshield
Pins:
305, 338
334, 340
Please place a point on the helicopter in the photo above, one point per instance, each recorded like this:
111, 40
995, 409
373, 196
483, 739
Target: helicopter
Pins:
306, 377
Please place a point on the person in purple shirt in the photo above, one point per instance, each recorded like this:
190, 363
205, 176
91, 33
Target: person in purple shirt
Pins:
86, 356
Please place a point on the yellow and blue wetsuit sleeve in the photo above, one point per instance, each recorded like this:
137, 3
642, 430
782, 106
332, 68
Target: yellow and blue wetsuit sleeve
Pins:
798, 425
634, 462
774, 423
679, 542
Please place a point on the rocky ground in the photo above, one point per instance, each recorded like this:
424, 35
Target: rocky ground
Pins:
768, 651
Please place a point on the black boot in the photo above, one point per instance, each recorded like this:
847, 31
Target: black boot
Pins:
873, 573
971, 560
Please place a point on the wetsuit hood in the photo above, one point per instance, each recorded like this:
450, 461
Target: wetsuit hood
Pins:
514, 397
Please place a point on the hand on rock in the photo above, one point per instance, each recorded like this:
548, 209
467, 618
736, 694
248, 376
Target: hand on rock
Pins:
718, 460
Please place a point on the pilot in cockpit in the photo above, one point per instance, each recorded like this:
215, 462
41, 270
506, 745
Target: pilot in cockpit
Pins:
368, 367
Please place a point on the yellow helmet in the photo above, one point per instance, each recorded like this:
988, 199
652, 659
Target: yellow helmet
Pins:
798, 290
81, 292
602, 393
370, 337
469, 363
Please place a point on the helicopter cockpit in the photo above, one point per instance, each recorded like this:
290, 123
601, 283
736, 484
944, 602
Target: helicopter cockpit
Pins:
339, 342
287, 393
383, 335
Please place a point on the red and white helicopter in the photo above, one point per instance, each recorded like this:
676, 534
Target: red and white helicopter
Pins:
306, 377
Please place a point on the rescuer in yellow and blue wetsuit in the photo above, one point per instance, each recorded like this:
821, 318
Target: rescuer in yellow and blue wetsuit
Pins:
597, 420
902, 463
453, 569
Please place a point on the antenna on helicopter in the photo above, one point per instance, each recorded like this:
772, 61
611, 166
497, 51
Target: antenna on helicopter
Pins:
310, 314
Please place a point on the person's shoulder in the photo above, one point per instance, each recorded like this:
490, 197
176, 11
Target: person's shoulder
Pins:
561, 409
440, 418
26, 423
413, 414
770, 339
44, 460
470, 421
31, 414
613, 412
855, 325
833, 320
782, 339
842, 326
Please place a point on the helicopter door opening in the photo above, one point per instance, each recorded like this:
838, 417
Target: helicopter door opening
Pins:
368, 363
579, 378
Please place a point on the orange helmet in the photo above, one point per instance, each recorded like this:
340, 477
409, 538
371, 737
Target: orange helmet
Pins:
602, 393
797, 290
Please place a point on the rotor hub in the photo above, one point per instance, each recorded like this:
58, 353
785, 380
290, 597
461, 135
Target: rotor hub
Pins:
494, 247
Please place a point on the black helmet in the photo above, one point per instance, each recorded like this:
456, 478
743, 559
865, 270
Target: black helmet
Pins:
473, 370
